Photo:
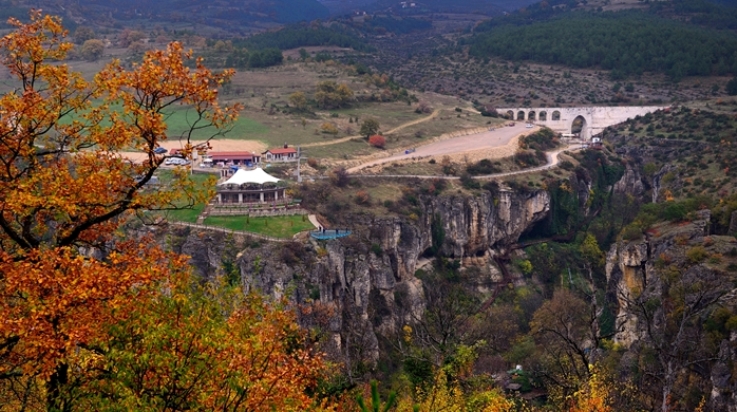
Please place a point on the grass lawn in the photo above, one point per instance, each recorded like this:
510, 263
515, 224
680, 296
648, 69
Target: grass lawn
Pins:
184, 215
244, 128
179, 119
275, 226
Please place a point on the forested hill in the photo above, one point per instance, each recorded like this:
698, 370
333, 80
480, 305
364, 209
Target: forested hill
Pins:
303, 35
244, 10
628, 43
231, 13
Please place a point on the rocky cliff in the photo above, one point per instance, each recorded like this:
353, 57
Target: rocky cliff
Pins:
366, 283
672, 288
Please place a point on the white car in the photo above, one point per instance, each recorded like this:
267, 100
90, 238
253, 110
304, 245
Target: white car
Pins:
176, 161
528, 125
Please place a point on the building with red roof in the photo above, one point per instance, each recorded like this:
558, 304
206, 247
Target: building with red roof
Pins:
282, 154
234, 158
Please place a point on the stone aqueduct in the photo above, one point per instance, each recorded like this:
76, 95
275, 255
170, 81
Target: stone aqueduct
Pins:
593, 119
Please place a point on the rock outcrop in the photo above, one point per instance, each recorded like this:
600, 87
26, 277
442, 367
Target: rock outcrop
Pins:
368, 280
666, 288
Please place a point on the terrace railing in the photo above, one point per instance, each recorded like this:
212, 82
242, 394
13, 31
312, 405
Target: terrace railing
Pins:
329, 234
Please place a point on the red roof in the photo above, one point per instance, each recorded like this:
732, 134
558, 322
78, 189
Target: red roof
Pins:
280, 150
232, 155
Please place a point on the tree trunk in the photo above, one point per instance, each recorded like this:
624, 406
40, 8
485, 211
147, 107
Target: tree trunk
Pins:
54, 399
667, 387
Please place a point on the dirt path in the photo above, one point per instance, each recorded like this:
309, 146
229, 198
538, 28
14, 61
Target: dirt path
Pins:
394, 130
434, 114
500, 139
552, 161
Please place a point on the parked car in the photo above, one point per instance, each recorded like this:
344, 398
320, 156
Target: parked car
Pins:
176, 161
160, 150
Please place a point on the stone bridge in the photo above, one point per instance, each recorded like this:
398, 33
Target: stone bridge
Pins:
592, 119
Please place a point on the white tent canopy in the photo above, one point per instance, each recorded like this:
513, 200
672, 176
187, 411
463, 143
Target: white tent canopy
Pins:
255, 176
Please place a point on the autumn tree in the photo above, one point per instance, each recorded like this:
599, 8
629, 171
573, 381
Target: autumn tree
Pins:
670, 308
80, 305
369, 127
378, 141
566, 331
136, 47
331, 95
82, 34
207, 347
130, 36
92, 49
298, 100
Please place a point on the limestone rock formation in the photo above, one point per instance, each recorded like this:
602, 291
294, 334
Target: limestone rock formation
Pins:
367, 281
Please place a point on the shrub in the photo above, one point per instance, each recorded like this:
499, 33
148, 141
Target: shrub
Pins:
313, 163
468, 182
631, 232
339, 177
482, 167
525, 266
696, 254
329, 128
363, 198
376, 249
378, 141
566, 165
674, 211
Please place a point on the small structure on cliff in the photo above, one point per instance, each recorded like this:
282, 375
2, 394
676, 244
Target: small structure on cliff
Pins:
250, 186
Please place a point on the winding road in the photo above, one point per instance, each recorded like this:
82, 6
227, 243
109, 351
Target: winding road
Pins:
552, 157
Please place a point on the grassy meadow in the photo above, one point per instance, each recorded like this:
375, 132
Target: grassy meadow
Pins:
275, 226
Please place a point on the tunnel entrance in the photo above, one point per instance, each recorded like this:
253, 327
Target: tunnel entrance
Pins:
578, 127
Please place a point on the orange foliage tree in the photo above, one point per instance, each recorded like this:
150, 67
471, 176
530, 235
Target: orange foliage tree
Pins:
72, 290
378, 141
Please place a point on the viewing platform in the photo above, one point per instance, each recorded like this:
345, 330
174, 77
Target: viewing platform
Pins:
329, 234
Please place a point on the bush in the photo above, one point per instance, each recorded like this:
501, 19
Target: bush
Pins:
339, 177
329, 128
482, 167
468, 182
377, 141
376, 249
696, 254
566, 165
674, 211
631, 232
363, 198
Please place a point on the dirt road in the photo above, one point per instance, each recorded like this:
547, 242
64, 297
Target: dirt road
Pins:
552, 161
471, 143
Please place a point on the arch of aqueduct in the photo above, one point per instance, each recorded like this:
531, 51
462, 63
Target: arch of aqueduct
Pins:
560, 119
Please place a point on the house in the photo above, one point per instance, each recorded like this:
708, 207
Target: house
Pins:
282, 154
233, 158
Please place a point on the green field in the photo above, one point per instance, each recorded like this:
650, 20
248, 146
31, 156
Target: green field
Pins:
188, 215
275, 226
181, 118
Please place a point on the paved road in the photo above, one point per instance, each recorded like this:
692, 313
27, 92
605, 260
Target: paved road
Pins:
480, 141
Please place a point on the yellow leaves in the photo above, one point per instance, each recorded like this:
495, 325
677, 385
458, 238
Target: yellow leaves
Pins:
594, 396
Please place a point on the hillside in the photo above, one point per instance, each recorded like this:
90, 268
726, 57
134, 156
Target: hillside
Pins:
221, 13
